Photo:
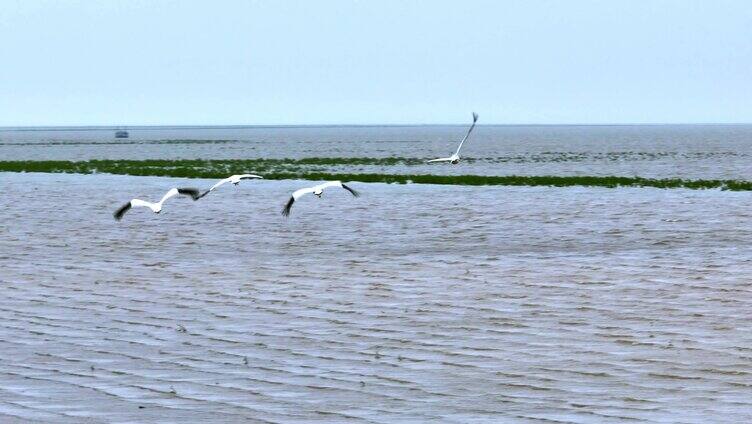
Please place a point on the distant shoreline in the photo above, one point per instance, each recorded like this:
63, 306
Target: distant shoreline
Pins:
272, 126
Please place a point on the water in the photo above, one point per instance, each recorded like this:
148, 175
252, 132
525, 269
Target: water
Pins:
655, 151
411, 303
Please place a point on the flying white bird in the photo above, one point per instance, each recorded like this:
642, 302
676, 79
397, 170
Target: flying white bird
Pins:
155, 207
455, 158
317, 190
235, 179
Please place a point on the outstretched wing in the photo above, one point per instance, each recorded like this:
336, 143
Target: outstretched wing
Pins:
121, 211
475, 119
172, 192
250, 176
328, 184
440, 160
288, 206
219, 183
295, 195
141, 203
302, 192
354, 193
190, 191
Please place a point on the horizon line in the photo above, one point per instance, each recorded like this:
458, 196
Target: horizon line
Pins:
259, 126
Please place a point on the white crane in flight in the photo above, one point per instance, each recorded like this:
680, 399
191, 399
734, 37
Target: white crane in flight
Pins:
155, 207
316, 190
234, 179
455, 158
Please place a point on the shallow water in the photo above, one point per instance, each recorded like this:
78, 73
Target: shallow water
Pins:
411, 303
650, 151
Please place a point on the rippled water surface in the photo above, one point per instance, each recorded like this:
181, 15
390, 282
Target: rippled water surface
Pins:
651, 151
412, 303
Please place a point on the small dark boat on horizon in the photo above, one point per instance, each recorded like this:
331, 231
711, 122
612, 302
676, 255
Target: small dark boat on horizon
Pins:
121, 134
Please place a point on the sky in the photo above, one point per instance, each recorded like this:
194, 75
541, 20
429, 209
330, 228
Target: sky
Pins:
65, 62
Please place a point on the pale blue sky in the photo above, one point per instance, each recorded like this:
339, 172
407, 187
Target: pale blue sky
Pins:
355, 62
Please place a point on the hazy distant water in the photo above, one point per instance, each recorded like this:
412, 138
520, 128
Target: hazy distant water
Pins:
683, 151
411, 303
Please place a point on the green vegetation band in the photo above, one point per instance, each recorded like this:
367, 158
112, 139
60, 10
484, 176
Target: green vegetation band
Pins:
279, 169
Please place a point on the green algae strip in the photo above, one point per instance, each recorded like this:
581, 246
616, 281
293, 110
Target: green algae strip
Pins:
282, 169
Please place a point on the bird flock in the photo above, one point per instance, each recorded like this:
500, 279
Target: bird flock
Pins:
316, 190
